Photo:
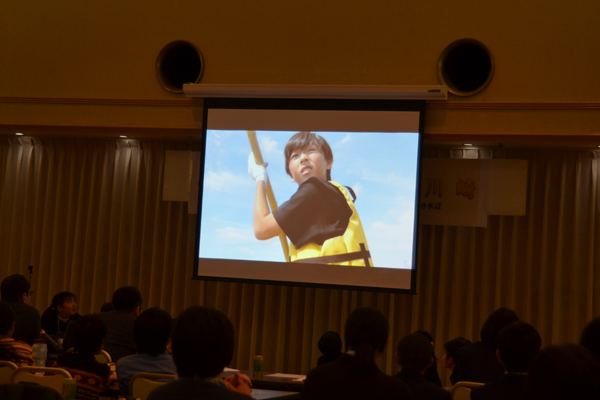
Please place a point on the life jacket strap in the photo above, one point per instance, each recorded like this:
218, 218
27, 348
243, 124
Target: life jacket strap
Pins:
363, 254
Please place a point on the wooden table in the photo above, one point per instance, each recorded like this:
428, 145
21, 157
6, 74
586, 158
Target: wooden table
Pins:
271, 382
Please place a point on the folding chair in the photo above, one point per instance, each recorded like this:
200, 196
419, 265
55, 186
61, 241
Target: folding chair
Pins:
462, 390
6, 370
142, 383
38, 375
103, 357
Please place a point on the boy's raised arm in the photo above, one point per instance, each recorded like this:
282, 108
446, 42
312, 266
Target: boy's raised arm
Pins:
265, 225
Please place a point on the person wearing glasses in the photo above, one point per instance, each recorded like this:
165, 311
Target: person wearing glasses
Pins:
15, 291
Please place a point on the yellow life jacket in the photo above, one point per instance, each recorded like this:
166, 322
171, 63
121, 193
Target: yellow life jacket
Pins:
348, 249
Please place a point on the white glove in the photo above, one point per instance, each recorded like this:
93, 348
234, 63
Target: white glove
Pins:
257, 172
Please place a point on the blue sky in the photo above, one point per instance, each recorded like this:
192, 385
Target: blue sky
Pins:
380, 167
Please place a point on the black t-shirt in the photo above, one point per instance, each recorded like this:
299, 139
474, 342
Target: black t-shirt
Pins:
341, 380
316, 212
52, 325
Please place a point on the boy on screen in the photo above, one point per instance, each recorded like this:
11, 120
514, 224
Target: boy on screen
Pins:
320, 218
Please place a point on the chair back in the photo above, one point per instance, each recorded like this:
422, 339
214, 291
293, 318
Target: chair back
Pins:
6, 370
49, 377
462, 390
142, 383
103, 357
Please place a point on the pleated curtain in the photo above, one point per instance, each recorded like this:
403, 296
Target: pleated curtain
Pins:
89, 217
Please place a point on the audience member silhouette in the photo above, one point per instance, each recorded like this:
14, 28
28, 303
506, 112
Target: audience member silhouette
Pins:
518, 343
414, 355
355, 375
152, 333
477, 362
431, 373
590, 337
330, 345
563, 372
16, 292
92, 376
202, 343
449, 357
120, 339
13, 350
57, 317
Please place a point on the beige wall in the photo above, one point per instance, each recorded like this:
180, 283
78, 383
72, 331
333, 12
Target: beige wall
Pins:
544, 52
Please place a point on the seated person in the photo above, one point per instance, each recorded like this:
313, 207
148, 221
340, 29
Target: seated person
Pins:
330, 345
414, 355
518, 343
11, 350
89, 335
152, 333
431, 373
16, 292
563, 372
120, 340
202, 345
477, 362
56, 317
590, 337
355, 374
449, 357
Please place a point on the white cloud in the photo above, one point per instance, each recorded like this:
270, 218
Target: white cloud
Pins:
388, 179
268, 147
342, 142
233, 235
248, 251
217, 138
390, 240
358, 187
226, 181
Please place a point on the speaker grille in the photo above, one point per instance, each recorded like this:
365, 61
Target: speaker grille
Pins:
177, 63
466, 67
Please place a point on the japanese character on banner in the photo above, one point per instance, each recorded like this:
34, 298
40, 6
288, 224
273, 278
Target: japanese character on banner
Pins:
434, 187
466, 188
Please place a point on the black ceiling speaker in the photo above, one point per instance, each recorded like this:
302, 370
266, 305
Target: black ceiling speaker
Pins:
177, 63
466, 67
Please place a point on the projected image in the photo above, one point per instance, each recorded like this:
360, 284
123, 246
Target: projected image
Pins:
318, 219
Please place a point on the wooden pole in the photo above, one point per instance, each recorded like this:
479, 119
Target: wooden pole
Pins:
270, 194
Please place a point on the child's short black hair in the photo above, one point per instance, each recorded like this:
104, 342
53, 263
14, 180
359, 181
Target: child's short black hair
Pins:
60, 298
451, 347
590, 337
494, 324
366, 332
90, 331
330, 344
152, 330
202, 342
563, 372
518, 343
303, 139
414, 352
127, 298
13, 287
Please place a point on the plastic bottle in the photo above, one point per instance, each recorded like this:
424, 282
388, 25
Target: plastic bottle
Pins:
40, 352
